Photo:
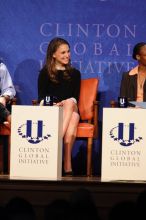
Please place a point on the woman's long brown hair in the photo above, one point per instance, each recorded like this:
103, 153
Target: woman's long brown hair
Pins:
50, 60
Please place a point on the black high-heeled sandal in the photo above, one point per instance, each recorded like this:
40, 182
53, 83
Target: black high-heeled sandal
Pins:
68, 174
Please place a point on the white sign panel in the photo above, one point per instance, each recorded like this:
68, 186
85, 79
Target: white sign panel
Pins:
36, 142
124, 144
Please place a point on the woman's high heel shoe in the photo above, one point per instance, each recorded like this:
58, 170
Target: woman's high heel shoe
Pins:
68, 174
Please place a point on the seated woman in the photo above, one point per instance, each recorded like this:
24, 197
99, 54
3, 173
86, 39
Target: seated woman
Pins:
59, 79
133, 83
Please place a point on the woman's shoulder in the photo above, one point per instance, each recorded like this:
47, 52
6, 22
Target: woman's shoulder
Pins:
75, 71
131, 73
43, 70
43, 74
128, 74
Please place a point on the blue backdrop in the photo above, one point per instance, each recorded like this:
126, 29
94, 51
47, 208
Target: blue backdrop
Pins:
101, 33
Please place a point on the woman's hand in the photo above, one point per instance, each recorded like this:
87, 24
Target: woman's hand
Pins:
3, 100
66, 100
66, 103
59, 103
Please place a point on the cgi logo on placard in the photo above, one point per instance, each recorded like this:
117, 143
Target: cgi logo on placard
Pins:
30, 128
117, 134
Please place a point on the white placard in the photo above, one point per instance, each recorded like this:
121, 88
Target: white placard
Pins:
124, 144
36, 142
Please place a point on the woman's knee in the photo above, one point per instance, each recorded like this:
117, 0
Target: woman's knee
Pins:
75, 117
69, 103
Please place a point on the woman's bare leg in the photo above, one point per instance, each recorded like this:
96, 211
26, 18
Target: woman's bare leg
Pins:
70, 123
68, 108
69, 139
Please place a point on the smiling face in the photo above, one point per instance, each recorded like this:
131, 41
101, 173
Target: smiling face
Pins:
62, 55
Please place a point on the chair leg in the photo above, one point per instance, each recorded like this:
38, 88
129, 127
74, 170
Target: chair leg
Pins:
89, 156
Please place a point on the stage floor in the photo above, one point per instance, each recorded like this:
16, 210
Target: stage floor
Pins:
41, 192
